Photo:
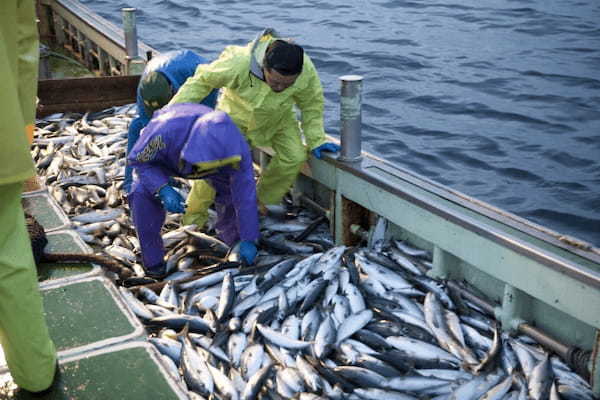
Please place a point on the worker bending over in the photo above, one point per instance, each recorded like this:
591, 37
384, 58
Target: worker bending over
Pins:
192, 141
261, 83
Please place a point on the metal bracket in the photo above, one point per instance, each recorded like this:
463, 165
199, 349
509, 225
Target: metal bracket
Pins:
511, 313
444, 264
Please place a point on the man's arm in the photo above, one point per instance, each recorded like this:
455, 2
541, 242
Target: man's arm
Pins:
152, 176
220, 73
146, 159
28, 50
310, 101
133, 134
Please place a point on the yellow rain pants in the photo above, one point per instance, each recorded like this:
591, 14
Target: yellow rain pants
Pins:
29, 351
266, 118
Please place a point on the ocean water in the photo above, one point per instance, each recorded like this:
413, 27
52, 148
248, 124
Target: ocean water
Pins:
497, 99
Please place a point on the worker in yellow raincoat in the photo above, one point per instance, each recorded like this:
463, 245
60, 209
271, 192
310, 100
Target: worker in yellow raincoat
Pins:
260, 85
29, 351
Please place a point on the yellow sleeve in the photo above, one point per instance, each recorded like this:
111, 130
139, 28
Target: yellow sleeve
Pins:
310, 101
16, 164
28, 58
220, 73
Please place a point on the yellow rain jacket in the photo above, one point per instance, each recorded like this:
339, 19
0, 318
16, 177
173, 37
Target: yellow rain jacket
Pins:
258, 111
29, 352
19, 54
265, 117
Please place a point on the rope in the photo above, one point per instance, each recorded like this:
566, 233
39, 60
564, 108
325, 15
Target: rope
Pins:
38, 238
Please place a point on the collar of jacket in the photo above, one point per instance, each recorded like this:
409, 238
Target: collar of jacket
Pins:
202, 170
257, 52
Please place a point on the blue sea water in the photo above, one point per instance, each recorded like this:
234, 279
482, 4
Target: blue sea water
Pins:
497, 99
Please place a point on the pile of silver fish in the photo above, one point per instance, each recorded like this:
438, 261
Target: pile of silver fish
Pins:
313, 320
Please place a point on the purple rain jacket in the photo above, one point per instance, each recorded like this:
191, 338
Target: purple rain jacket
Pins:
193, 141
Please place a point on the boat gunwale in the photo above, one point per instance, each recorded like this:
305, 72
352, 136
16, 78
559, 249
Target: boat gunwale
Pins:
581, 273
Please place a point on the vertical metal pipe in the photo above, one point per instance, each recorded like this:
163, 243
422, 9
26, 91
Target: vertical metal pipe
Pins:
514, 303
441, 263
60, 30
44, 71
350, 118
130, 30
338, 217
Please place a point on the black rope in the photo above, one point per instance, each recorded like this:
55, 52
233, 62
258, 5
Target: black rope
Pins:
38, 238
37, 235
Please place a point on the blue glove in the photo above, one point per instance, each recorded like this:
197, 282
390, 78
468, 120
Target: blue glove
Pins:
172, 201
247, 251
331, 147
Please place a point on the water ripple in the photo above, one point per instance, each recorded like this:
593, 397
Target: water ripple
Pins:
479, 110
498, 99
567, 80
567, 159
520, 174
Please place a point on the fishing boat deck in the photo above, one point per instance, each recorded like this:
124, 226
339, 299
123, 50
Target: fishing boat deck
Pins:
102, 347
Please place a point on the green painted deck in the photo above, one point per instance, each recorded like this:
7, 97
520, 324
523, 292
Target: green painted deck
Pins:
65, 241
102, 347
120, 372
86, 313
45, 210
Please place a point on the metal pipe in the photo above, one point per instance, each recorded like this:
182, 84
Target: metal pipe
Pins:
350, 118
130, 31
563, 351
44, 71
559, 348
478, 301
315, 206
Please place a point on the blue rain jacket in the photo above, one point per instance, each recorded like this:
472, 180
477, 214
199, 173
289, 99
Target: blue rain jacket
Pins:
177, 67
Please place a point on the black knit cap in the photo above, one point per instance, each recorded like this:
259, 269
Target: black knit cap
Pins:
284, 57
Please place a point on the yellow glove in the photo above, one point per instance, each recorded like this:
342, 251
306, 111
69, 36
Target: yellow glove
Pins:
29, 132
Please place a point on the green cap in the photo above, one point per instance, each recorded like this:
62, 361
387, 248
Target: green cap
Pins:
155, 91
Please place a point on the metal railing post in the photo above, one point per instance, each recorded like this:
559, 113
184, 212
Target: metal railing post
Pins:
130, 30
44, 71
135, 64
350, 118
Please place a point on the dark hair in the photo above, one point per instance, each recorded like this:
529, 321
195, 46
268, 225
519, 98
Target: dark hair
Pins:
284, 57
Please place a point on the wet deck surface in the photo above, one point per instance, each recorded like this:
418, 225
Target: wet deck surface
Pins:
128, 372
102, 347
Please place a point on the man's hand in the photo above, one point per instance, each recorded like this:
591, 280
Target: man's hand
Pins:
247, 251
172, 201
331, 147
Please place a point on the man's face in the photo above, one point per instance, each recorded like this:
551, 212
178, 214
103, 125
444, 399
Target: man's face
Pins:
277, 82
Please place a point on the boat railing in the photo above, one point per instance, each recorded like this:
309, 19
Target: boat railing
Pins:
533, 279
104, 48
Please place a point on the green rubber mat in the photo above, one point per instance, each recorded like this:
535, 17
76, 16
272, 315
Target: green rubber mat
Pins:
65, 241
130, 371
87, 314
51, 271
45, 210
